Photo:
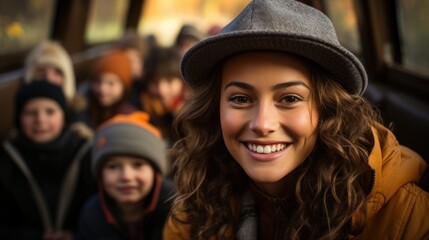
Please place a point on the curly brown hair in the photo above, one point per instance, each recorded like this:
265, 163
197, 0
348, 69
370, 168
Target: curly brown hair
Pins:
332, 184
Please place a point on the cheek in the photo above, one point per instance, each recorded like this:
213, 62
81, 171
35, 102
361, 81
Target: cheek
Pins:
147, 174
146, 178
176, 86
108, 179
303, 123
58, 122
26, 124
26, 121
231, 121
57, 79
117, 90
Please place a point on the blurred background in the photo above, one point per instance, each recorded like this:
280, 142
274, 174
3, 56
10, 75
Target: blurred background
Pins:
390, 37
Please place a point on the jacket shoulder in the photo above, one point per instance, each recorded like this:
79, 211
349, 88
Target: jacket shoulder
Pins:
92, 223
91, 210
174, 230
404, 216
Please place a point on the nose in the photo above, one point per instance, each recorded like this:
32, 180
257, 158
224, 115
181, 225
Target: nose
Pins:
39, 117
126, 173
50, 74
54, 76
265, 119
102, 87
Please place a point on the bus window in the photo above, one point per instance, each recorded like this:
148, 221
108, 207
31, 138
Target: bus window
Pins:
414, 33
106, 20
343, 16
24, 23
164, 18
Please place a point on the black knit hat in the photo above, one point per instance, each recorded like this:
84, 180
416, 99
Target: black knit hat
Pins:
277, 25
38, 89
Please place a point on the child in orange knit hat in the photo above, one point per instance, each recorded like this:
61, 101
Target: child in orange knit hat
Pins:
128, 159
110, 88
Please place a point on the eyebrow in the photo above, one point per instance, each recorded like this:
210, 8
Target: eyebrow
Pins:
276, 87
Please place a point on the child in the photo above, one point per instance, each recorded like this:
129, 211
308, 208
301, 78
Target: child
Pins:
129, 158
110, 88
45, 170
187, 36
50, 61
277, 142
165, 90
135, 47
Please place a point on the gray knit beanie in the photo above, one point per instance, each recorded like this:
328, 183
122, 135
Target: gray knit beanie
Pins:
130, 135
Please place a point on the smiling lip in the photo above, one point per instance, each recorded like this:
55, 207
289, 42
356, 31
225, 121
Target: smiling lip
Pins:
265, 155
126, 189
40, 131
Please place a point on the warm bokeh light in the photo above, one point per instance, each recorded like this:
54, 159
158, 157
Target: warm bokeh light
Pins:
343, 16
163, 18
106, 20
24, 23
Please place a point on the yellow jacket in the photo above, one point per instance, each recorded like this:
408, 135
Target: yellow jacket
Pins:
397, 207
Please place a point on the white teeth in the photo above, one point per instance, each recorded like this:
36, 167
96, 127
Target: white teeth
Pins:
265, 148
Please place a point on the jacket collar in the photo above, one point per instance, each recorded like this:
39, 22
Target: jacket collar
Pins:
110, 212
394, 166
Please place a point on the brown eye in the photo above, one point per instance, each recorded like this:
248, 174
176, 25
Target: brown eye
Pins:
112, 166
50, 111
138, 164
239, 99
291, 99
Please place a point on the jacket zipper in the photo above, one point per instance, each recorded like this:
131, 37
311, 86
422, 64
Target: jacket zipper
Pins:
276, 206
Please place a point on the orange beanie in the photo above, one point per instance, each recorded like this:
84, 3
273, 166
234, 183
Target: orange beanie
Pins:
116, 62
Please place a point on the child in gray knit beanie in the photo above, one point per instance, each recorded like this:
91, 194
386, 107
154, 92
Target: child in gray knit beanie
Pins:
128, 159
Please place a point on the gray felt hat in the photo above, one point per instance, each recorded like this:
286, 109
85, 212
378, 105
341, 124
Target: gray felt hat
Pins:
277, 25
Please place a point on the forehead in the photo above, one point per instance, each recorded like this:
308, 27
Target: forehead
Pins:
41, 102
265, 64
124, 158
108, 76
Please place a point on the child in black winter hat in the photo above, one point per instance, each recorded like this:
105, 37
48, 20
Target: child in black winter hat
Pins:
48, 164
128, 159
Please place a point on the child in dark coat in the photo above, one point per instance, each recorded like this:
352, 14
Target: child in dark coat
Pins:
45, 169
129, 157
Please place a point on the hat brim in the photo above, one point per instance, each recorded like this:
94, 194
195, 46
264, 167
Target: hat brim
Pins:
200, 61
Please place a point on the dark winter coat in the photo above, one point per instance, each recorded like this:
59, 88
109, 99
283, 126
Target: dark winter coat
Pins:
43, 186
100, 217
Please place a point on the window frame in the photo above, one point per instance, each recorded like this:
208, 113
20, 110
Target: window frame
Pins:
378, 24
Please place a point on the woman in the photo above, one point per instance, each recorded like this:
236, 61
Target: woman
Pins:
293, 151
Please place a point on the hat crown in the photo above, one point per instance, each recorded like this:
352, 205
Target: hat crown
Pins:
284, 16
277, 25
129, 134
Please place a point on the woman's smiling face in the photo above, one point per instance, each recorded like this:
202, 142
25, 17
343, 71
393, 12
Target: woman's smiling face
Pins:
267, 114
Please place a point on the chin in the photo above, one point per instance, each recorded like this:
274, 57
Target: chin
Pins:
126, 201
43, 140
265, 177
